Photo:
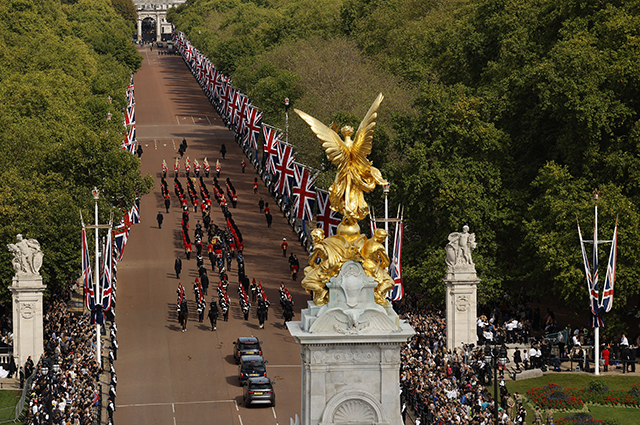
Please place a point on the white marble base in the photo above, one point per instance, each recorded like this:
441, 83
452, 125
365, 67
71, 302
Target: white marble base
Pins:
350, 350
462, 308
28, 334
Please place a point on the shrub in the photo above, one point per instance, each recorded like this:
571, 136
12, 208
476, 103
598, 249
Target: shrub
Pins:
598, 386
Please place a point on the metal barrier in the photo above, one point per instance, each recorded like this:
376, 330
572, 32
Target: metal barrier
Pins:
23, 398
554, 337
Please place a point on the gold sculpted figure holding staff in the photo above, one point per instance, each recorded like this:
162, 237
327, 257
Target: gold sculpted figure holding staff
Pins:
325, 261
355, 173
376, 262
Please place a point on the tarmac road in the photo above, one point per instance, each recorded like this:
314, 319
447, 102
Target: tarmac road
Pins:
166, 376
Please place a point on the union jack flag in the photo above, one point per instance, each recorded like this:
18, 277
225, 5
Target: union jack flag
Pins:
242, 118
396, 269
285, 169
134, 214
121, 235
304, 192
233, 104
327, 219
106, 278
254, 122
592, 280
87, 277
130, 115
225, 98
215, 85
271, 147
609, 281
242, 114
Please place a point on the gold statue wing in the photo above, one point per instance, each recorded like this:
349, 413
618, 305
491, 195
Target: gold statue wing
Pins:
363, 139
334, 147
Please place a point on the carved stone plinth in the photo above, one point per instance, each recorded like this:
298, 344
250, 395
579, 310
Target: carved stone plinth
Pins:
28, 332
350, 350
462, 302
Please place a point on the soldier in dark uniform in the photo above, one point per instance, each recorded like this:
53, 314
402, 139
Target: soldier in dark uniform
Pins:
167, 202
213, 314
288, 311
223, 150
160, 219
177, 265
184, 315
204, 280
262, 311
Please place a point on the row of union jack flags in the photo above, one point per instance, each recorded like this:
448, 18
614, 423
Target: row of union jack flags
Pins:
129, 142
292, 179
112, 254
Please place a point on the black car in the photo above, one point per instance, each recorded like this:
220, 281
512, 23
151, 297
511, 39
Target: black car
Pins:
251, 367
259, 391
246, 345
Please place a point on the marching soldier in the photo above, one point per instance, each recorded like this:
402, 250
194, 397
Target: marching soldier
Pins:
262, 311
213, 314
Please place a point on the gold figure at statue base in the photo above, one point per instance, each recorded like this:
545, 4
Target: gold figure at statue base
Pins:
356, 175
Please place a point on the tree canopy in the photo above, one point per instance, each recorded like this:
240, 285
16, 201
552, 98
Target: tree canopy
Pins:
59, 66
504, 115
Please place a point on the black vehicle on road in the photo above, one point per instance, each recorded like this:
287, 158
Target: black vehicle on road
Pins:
259, 391
246, 345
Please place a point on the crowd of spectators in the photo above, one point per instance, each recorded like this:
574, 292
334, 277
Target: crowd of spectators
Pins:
68, 392
440, 386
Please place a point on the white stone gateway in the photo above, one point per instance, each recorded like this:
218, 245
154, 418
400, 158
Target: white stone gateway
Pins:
350, 350
27, 289
462, 288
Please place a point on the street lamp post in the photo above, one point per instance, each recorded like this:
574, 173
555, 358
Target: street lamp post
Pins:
49, 368
286, 119
490, 358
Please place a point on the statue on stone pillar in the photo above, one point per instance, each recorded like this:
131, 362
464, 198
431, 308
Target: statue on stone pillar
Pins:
459, 248
356, 175
27, 256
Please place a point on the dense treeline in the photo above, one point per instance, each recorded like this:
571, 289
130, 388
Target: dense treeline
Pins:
501, 114
59, 65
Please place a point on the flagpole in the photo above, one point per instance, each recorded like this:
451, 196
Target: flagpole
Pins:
96, 195
596, 331
386, 216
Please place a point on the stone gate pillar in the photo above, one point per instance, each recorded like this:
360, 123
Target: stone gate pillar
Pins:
139, 29
27, 290
158, 27
462, 288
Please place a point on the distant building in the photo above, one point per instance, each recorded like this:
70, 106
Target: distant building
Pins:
152, 19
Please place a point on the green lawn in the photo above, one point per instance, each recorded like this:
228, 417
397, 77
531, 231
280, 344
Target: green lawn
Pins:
8, 401
626, 416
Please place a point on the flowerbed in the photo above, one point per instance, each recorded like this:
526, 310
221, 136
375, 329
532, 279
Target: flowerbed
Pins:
577, 419
553, 396
557, 398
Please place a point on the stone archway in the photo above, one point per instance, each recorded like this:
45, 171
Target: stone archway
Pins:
149, 30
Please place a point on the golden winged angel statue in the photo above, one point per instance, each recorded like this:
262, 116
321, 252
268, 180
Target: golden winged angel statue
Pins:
356, 174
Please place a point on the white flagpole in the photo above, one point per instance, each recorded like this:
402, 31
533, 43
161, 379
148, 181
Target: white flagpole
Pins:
386, 216
596, 331
96, 195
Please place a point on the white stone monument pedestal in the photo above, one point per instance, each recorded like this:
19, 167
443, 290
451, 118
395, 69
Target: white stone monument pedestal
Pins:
462, 289
28, 335
350, 350
462, 312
